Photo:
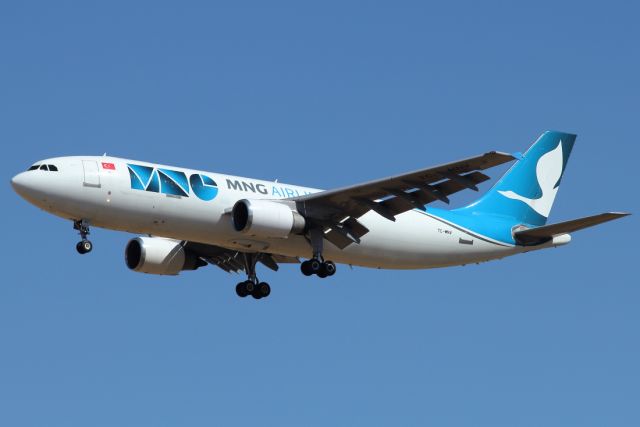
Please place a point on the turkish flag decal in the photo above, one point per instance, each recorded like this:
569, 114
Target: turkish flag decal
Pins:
109, 166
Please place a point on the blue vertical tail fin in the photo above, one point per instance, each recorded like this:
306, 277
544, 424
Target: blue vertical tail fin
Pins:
527, 191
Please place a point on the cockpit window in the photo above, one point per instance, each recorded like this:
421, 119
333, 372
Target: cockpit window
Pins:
51, 168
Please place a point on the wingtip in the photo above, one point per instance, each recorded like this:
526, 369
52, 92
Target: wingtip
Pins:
619, 214
509, 156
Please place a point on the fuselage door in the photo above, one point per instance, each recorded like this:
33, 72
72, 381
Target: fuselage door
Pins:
91, 173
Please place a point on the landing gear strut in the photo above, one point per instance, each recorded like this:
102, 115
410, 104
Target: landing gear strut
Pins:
252, 286
317, 265
83, 246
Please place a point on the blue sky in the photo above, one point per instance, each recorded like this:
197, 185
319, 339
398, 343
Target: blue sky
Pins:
324, 95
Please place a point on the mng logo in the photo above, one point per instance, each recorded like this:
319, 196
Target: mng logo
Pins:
168, 181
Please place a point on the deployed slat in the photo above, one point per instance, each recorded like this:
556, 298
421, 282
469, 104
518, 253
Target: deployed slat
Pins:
338, 238
429, 193
397, 205
217, 263
460, 179
355, 228
451, 187
409, 197
379, 208
268, 261
283, 259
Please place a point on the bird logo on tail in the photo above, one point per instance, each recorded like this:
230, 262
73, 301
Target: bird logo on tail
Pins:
548, 173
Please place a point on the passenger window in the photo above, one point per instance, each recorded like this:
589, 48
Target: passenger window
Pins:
34, 167
43, 168
53, 168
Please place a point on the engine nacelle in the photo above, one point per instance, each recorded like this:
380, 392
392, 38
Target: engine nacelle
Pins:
265, 218
156, 255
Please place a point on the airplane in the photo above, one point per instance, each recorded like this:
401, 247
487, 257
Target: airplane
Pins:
188, 218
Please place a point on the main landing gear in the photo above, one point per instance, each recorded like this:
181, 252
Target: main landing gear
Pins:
252, 286
83, 246
317, 265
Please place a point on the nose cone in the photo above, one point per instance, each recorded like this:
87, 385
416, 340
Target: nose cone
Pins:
21, 184
30, 186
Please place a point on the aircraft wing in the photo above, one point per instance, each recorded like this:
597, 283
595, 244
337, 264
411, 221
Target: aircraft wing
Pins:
337, 210
537, 235
233, 261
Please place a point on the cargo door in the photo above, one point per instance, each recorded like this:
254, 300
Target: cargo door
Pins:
91, 173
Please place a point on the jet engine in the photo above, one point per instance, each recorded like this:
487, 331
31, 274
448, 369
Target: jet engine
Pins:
266, 219
157, 255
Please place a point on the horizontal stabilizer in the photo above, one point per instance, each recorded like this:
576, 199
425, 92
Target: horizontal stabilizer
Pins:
538, 235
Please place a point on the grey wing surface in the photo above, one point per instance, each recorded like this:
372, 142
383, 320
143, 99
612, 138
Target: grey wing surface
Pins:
337, 211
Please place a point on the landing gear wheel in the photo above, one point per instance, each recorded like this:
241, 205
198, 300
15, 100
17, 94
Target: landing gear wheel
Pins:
249, 286
241, 290
262, 290
84, 246
315, 266
329, 268
306, 268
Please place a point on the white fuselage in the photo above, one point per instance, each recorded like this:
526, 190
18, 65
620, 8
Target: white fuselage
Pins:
83, 188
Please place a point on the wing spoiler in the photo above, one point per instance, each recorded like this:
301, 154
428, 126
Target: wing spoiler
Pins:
538, 235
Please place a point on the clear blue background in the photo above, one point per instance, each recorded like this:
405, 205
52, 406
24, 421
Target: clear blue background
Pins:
322, 94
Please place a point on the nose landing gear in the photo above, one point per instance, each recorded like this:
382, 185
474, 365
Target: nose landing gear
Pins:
83, 246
